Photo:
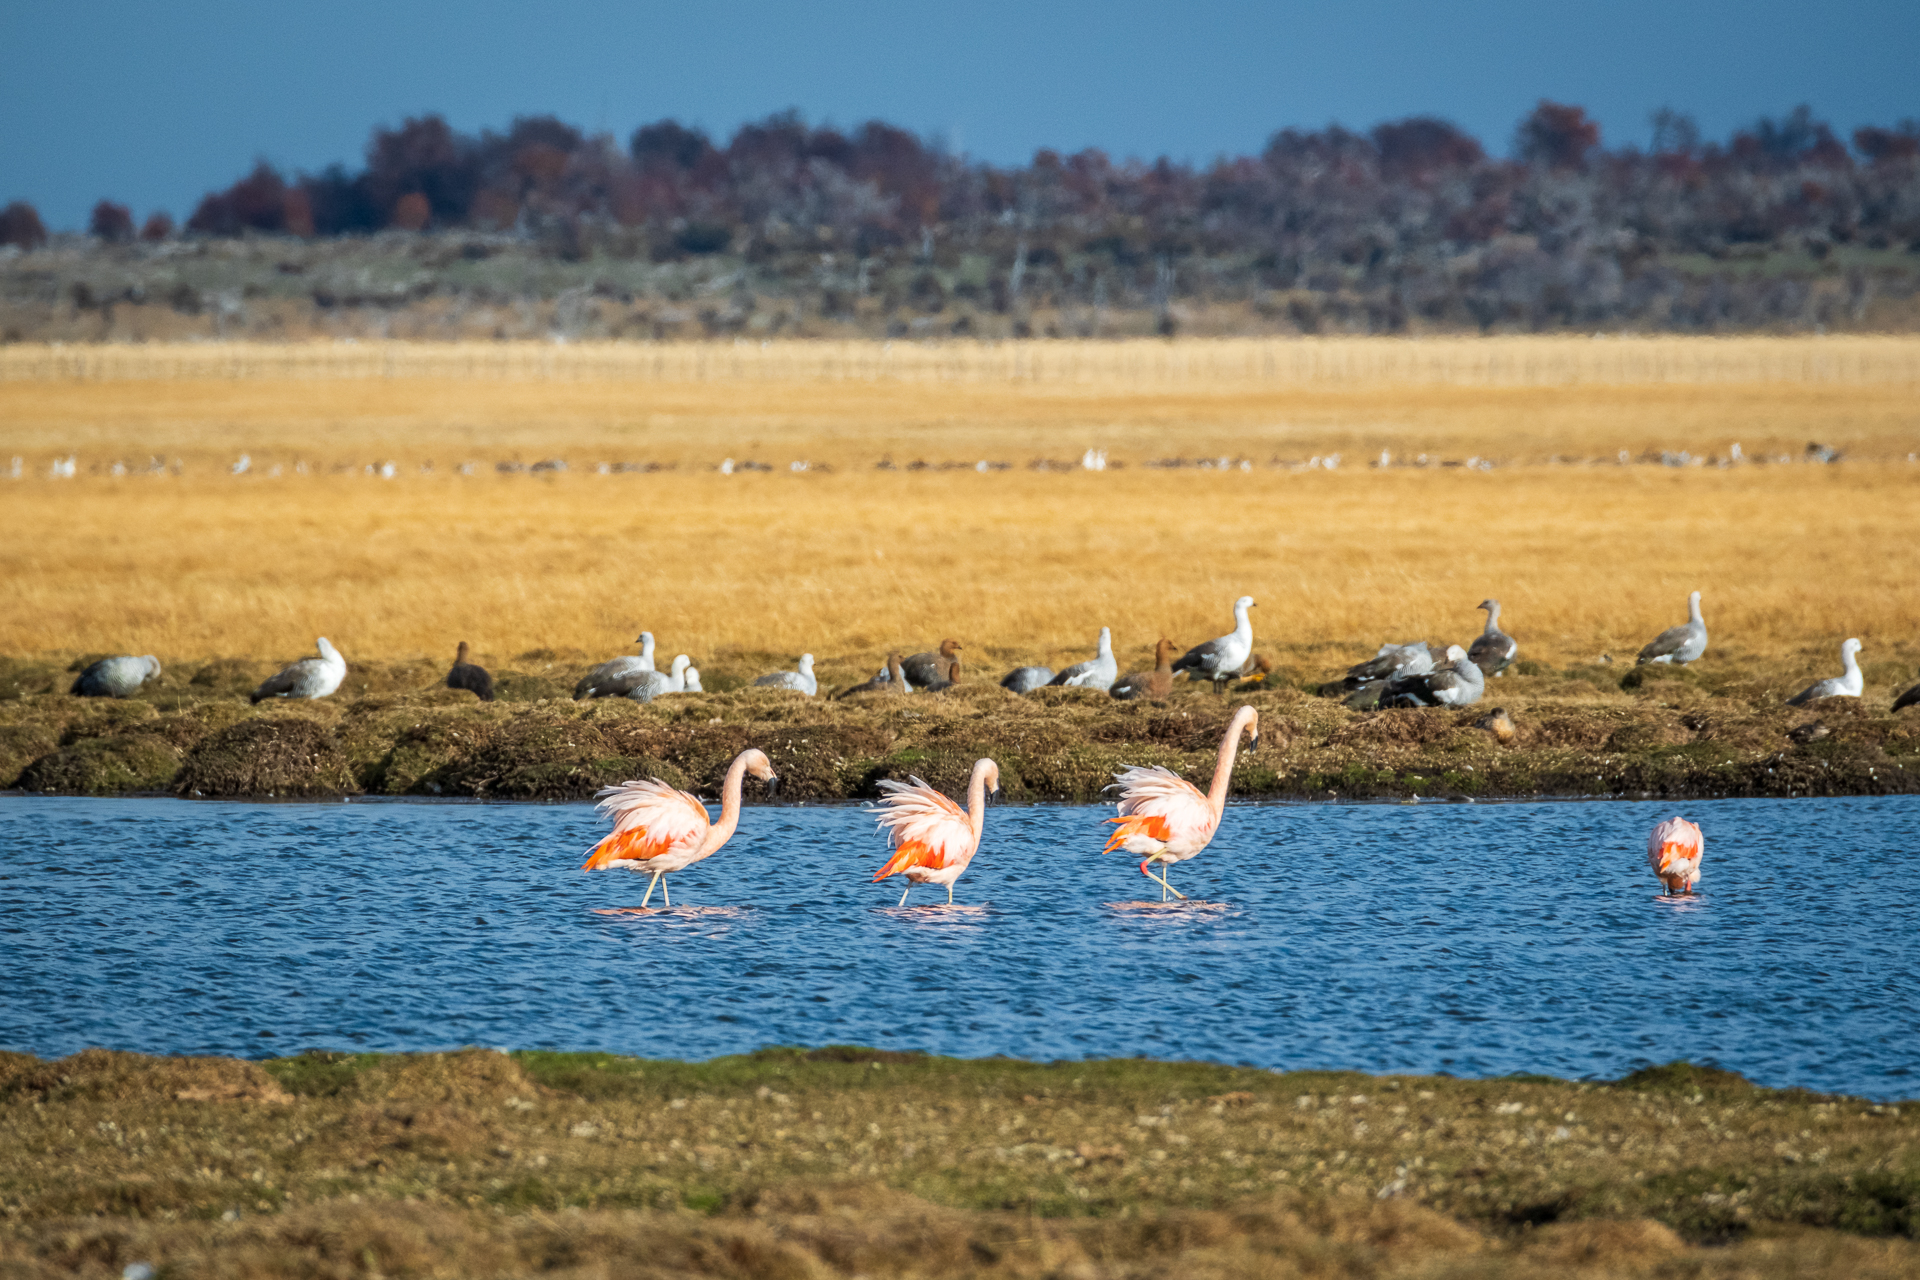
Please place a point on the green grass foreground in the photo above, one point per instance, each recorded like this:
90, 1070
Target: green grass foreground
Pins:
394, 731
846, 1161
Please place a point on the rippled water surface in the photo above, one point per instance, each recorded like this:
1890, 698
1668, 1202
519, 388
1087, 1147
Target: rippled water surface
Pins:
1472, 939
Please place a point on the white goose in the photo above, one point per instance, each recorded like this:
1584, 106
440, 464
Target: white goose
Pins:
1220, 660
1681, 644
615, 677
1096, 673
648, 685
1848, 684
307, 678
800, 681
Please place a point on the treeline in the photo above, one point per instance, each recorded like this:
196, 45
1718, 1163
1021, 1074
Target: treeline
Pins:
1310, 195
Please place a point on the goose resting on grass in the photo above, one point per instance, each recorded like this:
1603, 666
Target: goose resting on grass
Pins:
1492, 650
800, 681
1848, 684
116, 677
1027, 679
1681, 644
613, 678
1219, 660
1096, 673
1458, 684
1154, 685
1413, 659
467, 676
931, 671
307, 678
645, 686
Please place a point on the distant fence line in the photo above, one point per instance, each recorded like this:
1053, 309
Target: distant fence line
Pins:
1188, 362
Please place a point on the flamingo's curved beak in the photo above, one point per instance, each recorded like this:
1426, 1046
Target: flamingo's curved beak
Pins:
993, 796
1256, 741
773, 785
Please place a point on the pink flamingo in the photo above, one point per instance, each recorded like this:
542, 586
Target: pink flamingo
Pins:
1165, 818
660, 830
932, 840
1674, 849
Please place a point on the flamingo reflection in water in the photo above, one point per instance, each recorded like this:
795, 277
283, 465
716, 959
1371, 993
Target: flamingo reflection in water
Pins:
932, 838
1674, 850
659, 830
1164, 818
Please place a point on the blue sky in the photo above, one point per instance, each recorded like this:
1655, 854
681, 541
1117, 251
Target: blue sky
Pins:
154, 104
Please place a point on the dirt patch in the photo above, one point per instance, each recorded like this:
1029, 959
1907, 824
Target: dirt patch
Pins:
270, 756
469, 1076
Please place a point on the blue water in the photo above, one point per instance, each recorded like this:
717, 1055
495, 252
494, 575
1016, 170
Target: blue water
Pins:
1470, 939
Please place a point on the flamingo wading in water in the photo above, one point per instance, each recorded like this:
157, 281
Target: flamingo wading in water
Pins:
932, 839
1164, 818
659, 830
1674, 849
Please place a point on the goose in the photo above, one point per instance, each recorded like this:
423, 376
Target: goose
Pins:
1458, 684
648, 685
1154, 685
1493, 649
800, 681
929, 670
467, 676
307, 678
1681, 644
892, 679
613, 678
1257, 674
1096, 673
1848, 684
1219, 660
1911, 698
116, 677
1027, 679
693, 681
1414, 658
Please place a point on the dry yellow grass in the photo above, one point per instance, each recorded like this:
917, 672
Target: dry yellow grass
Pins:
1020, 564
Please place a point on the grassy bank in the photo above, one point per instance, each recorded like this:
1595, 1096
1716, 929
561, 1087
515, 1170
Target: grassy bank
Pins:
1718, 729
841, 1162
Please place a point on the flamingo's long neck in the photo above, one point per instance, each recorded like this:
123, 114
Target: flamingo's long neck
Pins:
1223, 771
722, 831
977, 803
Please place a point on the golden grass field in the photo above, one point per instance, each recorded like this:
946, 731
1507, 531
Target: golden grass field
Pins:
847, 561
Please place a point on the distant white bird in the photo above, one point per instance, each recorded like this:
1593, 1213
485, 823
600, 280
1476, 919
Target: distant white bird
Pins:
800, 681
307, 678
1027, 679
612, 679
1458, 684
1220, 660
1848, 684
1097, 672
648, 685
116, 677
1681, 644
1493, 650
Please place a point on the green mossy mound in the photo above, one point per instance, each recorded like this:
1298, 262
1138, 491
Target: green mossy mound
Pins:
281, 756
115, 765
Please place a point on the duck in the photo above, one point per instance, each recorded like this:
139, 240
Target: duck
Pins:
307, 678
1492, 650
1457, 684
1154, 685
1220, 659
1848, 684
116, 677
1027, 679
892, 679
467, 676
613, 678
1097, 672
801, 681
1681, 644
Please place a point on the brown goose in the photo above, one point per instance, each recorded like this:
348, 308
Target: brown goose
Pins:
892, 679
1492, 650
1258, 674
934, 670
469, 677
1154, 685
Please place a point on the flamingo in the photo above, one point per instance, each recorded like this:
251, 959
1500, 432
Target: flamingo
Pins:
931, 838
1674, 849
1165, 818
660, 830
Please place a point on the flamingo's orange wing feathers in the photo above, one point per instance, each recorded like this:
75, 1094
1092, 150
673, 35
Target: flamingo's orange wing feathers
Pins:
1674, 847
1159, 803
649, 819
924, 828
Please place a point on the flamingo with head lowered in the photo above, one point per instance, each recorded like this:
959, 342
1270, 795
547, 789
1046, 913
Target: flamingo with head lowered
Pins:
1674, 849
1164, 818
932, 839
659, 830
